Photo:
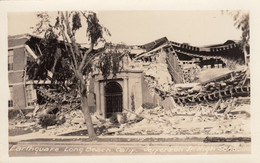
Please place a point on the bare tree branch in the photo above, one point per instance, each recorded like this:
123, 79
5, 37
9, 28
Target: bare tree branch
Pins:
68, 32
73, 40
91, 59
83, 62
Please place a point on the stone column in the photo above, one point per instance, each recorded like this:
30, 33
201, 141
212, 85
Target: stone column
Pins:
102, 99
97, 93
125, 94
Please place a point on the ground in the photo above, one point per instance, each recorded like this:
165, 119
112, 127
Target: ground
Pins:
156, 133
189, 120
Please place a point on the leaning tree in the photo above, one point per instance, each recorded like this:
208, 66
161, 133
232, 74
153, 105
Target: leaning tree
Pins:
241, 22
76, 63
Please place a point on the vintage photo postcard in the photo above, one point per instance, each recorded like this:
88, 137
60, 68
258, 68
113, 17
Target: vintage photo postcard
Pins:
85, 82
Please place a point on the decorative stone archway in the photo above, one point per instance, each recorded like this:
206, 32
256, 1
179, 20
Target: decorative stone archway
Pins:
115, 94
113, 98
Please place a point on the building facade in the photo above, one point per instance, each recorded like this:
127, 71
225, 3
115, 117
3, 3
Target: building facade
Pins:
22, 95
127, 90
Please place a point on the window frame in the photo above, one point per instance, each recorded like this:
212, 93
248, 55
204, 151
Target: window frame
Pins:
11, 100
10, 60
29, 95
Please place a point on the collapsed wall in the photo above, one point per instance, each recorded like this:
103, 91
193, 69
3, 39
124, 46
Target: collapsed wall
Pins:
158, 79
162, 71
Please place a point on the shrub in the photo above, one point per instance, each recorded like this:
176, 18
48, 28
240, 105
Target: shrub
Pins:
113, 118
13, 114
47, 120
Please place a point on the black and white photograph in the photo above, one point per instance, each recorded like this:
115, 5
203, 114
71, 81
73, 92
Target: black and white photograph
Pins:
128, 82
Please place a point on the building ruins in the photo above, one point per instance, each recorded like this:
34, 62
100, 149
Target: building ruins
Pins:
151, 73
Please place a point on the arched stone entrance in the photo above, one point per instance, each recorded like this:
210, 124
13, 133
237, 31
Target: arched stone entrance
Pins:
113, 98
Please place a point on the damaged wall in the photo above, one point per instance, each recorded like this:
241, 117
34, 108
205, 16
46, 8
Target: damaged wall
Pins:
149, 94
174, 66
19, 96
15, 74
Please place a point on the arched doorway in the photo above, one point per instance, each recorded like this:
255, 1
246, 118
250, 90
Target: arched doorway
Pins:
113, 98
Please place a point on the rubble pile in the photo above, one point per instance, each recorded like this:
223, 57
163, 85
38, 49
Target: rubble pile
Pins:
55, 103
159, 73
52, 111
225, 117
233, 84
156, 73
192, 120
74, 121
190, 72
52, 95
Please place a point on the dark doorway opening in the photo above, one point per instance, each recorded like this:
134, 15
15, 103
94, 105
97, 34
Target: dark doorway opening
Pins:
113, 98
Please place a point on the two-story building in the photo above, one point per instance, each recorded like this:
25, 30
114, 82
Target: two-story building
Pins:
22, 94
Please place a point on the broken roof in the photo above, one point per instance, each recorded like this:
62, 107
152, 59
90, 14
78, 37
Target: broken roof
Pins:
231, 49
152, 45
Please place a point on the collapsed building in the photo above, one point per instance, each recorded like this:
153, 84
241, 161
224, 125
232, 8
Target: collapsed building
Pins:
184, 63
27, 91
151, 72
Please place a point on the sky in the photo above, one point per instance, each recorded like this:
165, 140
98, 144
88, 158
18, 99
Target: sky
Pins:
198, 28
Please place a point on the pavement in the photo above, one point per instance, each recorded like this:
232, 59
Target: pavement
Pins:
72, 148
35, 144
46, 136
